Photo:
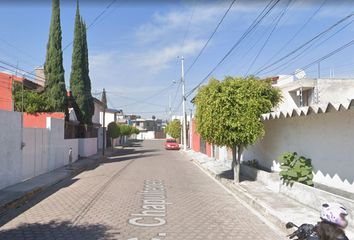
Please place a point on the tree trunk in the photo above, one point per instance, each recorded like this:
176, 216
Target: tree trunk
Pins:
235, 166
239, 154
236, 159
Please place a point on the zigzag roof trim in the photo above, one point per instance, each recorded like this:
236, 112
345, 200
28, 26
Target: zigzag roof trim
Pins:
314, 109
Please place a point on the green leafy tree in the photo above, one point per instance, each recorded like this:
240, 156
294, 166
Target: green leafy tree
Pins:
80, 83
135, 130
55, 89
228, 113
113, 131
173, 128
29, 101
125, 130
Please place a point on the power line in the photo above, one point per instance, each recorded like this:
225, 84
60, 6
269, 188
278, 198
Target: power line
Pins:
341, 48
306, 50
160, 91
94, 20
174, 99
211, 36
17, 68
188, 26
270, 34
254, 24
329, 54
305, 44
296, 34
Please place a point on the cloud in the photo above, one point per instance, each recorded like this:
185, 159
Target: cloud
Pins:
162, 25
140, 66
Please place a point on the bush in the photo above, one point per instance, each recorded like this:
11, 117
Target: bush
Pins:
113, 130
295, 168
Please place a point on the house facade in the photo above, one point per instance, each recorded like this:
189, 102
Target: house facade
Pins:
316, 120
149, 128
111, 115
312, 91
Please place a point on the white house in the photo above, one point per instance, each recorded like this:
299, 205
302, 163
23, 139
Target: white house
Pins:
312, 91
149, 128
316, 120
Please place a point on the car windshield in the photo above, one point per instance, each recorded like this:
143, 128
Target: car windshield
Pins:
171, 140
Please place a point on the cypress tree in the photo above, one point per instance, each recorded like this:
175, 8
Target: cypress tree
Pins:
55, 89
89, 99
80, 83
104, 99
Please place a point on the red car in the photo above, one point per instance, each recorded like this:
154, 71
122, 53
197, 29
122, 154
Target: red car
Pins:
171, 144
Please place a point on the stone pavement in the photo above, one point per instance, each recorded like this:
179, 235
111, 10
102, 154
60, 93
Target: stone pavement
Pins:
16, 195
275, 207
144, 192
269, 206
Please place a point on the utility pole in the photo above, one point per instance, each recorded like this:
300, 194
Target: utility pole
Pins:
169, 108
190, 130
184, 107
104, 101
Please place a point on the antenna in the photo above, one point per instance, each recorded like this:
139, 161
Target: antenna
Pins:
300, 74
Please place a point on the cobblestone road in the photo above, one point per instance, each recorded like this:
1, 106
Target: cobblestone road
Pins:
142, 192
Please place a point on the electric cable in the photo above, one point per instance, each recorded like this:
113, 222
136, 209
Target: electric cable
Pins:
269, 36
94, 21
350, 43
160, 91
211, 36
255, 23
307, 50
188, 26
305, 44
296, 34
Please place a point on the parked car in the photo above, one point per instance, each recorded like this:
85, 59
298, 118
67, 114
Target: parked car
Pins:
171, 144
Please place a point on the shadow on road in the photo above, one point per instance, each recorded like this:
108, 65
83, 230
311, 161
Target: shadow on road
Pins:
118, 158
114, 155
56, 230
13, 213
130, 151
229, 175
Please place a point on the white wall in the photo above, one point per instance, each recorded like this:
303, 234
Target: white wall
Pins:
100, 138
87, 146
57, 156
335, 90
10, 153
327, 139
146, 135
97, 113
43, 151
74, 145
35, 153
46, 149
109, 117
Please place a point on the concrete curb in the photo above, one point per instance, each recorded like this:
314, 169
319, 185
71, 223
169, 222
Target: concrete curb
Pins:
18, 197
248, 200
20, 200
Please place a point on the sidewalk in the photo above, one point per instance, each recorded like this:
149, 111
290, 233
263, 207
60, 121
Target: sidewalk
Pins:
274, 207
16, 195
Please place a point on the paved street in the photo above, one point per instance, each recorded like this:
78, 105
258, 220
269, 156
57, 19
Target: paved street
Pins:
142, 192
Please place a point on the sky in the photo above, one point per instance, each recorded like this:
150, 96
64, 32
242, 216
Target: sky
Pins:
135, 47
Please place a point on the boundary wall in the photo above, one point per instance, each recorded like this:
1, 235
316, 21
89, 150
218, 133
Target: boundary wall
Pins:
29, 152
